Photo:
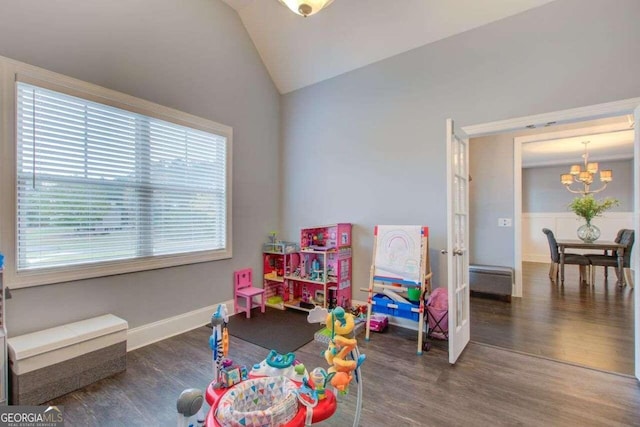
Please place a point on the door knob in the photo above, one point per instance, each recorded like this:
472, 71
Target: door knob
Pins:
458, 252
444, 252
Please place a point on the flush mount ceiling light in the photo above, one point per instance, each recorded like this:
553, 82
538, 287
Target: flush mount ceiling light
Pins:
306, 7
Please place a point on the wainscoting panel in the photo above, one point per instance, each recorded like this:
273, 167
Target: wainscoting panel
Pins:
535, 247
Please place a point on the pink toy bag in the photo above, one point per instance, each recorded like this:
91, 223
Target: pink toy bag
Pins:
438, 314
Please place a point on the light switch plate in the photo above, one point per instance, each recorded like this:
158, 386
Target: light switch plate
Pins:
504, 222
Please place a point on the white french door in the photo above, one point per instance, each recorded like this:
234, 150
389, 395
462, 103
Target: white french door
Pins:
636, 226
457, 238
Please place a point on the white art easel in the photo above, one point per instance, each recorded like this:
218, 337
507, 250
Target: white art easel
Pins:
400, 262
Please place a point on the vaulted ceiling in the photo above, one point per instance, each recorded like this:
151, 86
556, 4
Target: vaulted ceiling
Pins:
350, 34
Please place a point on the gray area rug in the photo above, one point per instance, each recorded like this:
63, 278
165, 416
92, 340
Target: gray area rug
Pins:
280, 330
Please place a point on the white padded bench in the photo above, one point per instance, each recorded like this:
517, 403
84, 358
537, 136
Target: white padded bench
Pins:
52, 362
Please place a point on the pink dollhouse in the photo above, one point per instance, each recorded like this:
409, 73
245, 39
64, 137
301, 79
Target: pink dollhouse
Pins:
320, 273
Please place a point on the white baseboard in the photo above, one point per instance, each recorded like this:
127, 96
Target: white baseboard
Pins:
535, 246
536, 258
162, 329
166, 328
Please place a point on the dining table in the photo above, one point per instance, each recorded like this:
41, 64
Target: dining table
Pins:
598, 245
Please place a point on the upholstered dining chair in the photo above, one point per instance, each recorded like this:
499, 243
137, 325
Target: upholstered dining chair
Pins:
606, 252
625, 237
571, 259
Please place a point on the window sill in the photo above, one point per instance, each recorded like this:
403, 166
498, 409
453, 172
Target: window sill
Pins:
41, 277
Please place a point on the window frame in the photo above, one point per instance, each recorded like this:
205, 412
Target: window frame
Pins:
12, 72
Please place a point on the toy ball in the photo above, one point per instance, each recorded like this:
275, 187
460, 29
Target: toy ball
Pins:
190, 402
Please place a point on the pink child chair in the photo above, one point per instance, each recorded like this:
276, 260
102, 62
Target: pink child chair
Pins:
243, 284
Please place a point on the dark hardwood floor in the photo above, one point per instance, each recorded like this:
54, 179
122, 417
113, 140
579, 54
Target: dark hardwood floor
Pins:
582, 324
487, 387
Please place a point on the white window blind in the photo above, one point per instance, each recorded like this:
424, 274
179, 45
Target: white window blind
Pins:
97, 183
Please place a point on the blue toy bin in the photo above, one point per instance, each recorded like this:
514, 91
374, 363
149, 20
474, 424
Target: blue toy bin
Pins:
1, 261
385, 305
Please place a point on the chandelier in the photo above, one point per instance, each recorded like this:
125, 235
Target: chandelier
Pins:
583, 174
306, 7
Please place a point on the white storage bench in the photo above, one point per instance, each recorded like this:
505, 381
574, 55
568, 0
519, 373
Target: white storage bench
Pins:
49, 363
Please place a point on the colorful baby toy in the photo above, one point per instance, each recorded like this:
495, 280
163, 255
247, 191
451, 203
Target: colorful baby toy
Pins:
341, 325
278, 391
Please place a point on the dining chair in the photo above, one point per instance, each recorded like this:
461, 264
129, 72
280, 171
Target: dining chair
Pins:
244, 289
606, 252
569, 258
625, 237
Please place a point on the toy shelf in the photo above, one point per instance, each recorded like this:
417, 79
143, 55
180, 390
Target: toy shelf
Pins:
280, 247
298, 304
320, 274
382, 304
394, 300
275, 258
298, 279
272, 278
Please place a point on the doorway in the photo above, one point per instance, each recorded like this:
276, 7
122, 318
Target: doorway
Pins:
510, 254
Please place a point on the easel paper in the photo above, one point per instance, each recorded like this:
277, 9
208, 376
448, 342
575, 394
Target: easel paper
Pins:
398, 250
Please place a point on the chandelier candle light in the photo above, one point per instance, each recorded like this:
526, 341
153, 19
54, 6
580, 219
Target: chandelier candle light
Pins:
306, 7
586, 206
585, 176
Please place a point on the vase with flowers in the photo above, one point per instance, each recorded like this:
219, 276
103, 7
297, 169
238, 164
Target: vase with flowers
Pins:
588, 207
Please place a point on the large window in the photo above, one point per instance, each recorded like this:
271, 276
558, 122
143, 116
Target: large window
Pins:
102, 184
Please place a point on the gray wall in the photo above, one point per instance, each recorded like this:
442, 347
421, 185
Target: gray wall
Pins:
194, 56
368, 146
491, 192
491, 197
542, 191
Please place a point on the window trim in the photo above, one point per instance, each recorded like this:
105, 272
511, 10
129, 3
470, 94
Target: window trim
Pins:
10, 73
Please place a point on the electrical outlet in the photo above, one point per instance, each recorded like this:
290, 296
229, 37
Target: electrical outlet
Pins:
504, 222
